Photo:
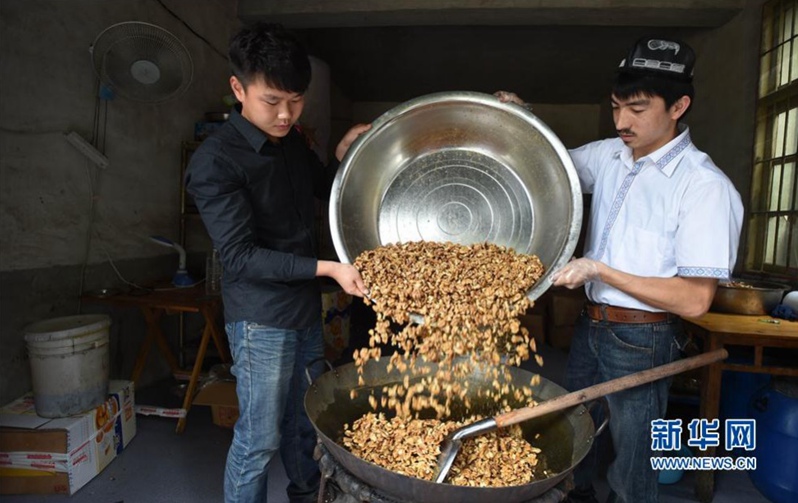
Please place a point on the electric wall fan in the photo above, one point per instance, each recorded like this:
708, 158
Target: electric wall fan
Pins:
141, 62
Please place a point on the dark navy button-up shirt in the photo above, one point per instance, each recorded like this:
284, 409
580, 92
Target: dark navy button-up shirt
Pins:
256, 199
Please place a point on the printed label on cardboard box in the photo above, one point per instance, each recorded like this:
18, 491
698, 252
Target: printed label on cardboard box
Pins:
77, 447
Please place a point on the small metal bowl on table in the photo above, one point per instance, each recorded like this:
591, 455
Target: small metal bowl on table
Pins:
747, 296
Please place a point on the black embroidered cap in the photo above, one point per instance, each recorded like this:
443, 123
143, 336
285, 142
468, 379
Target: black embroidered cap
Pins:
663, 57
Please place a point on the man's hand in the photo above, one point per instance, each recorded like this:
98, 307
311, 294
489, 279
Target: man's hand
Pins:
349, 137
344, 274
576, 273
508, 97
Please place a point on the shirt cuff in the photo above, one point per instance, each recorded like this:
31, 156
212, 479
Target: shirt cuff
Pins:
305, 267
704, 272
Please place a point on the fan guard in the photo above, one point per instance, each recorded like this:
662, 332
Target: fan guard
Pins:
141, 62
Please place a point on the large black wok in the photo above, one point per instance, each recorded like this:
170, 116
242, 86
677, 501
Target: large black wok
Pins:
565, 437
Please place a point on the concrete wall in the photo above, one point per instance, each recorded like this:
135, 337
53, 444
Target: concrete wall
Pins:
338, 13
723, 120
49, 88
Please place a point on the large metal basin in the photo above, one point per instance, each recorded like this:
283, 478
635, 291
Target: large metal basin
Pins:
460, 167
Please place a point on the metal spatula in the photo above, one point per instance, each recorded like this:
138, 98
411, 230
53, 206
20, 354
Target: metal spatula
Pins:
452, 443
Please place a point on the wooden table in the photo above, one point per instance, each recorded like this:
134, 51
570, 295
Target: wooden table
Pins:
156, 302
720, 330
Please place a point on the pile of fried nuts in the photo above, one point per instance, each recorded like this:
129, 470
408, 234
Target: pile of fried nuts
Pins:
470, 298
497, 458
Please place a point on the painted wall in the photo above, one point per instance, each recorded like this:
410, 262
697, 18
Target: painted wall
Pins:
47, 187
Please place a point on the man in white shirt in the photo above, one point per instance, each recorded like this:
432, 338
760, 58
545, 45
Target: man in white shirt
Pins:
664, 228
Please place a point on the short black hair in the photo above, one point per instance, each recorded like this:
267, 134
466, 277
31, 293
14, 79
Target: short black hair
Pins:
628, 85
271, 52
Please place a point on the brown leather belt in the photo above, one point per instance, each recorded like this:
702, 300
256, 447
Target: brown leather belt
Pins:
604, 312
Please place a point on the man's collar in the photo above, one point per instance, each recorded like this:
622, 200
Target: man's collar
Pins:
664, 156
254, 136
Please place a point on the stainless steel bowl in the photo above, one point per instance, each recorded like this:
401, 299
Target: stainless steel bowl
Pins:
744, 296
460, 167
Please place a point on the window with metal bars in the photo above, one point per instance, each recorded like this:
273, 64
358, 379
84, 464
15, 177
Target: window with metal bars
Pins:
772, 244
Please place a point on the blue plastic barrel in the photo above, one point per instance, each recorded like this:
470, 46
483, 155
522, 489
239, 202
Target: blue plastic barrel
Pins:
737, 389
775, 409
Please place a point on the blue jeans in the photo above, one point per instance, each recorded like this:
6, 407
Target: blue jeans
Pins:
601, 351
269, 366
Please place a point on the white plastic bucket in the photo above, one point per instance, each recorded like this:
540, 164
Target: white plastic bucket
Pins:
69, 361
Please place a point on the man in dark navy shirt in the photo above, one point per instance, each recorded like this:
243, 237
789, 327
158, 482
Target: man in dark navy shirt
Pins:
254, 183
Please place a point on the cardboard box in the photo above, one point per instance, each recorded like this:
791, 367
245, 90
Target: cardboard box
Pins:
536, 324
222, 398
560, 337
223, 416
40, 455
566, 306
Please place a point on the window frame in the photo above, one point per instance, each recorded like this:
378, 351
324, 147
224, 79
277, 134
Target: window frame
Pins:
776, 95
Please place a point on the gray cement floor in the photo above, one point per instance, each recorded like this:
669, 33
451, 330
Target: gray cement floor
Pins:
162, 466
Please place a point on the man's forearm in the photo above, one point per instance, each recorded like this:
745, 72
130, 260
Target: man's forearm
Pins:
689, 297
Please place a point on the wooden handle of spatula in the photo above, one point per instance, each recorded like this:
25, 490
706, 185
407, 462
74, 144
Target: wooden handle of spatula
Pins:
606, 388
